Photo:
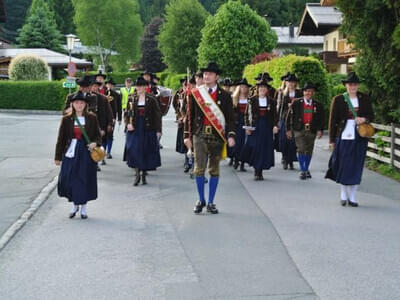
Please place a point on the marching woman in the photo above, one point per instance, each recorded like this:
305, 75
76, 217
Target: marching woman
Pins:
143, 123
348, 111
261, 122
240, 99
78, 175
287, 146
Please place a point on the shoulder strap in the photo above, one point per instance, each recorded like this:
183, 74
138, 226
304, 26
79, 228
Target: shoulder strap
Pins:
82, 130
347, 98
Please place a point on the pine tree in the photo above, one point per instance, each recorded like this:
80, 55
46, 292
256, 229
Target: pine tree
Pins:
64, 13
40, 29
16, 12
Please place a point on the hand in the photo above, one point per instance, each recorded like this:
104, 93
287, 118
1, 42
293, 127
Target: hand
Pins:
103, 133
319, 134
248, 132
231, 142
109, 128
360, 121
188, 143
275, 130
332, 146
57, 162
159, 134
91, 146
289, 135
130, 127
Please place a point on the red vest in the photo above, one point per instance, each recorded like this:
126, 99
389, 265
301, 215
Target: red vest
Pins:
214, 97
308, 113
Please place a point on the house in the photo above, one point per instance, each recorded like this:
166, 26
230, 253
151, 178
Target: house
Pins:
55, 60
288, 40
325, 19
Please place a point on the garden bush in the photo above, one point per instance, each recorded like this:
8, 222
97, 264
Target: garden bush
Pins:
28, 67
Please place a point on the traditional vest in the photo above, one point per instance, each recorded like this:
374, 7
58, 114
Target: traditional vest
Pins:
308, 113
206, 122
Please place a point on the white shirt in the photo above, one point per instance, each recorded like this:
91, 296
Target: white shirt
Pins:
292, 94
141, 102
242, 101
71, 149
308, 102
262, 102
349, 132
213, 89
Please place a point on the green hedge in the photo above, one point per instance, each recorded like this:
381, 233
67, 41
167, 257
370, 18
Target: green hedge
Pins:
35, 95
307, 69
118, 77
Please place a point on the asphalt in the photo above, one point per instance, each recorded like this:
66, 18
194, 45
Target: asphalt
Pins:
277, 239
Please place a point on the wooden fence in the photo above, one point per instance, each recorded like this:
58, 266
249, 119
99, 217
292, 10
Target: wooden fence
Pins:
389, 151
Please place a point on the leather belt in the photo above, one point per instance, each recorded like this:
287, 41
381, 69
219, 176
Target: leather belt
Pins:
207, 129
307, 127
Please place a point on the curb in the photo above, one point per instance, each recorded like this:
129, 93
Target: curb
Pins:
31, 112
23, 219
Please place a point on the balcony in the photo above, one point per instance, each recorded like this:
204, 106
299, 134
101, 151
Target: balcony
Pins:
346, 50
331, 58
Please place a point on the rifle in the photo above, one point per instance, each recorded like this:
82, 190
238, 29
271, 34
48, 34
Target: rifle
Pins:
188, 112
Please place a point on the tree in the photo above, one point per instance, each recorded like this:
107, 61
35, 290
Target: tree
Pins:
233, 37
114, 25
181, 33
64, 14
151, 8
151, 55
371, 26
16, 12
40, 29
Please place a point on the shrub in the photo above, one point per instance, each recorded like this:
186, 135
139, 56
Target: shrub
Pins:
42, 95
28, 67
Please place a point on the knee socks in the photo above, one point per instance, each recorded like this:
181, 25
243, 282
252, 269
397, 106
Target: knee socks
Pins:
109, 146
212, 188
302, 162
75, 208
200, 187
83, 209
343, 192
348, 192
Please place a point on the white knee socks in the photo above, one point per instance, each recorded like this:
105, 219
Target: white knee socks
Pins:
348, 192
83, 209
75, 208
343, 192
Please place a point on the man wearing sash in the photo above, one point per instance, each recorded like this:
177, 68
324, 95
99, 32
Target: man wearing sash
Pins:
209, 118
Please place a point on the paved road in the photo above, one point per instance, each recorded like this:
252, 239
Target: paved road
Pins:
277, 239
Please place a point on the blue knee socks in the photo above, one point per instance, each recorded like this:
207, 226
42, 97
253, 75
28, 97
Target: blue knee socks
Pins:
213, 183
307, 161
109, 146
301, 158
200, 187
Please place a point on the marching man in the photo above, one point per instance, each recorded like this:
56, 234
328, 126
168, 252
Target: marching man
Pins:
209, 117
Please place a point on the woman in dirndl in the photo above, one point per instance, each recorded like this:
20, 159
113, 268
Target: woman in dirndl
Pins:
349, 148
143, 123
78, 175
261, 122
287, 146
240, 99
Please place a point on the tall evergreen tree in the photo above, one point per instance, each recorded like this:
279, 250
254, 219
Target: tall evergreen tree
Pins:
151, 54
40, 29
16, 12
181, 33
64, 13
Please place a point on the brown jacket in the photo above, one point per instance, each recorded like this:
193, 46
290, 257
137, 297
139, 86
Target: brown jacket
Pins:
294, 119
224, 101
152, 112
253, 109
340, 111
66, 133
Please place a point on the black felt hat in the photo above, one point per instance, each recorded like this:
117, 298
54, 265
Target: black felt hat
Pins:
111, 81
284, 77
244, 82
146, 72
101, 74
351, 78
308, 86
84, 81
264, 82
182, 80
211, 67
226, 82
79, 96
140, 81
292, 77
263, 76
94, 81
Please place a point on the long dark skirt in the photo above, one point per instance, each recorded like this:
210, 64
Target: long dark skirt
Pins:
287, 146
142, 148
258, 151
240, 137
77, 180
347, 161
180, 145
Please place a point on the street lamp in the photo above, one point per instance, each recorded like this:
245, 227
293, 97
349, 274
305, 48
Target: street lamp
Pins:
70, 46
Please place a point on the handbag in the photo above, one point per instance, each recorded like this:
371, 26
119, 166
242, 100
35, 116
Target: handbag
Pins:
365, 130
97, 153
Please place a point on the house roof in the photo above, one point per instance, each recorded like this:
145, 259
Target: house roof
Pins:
319, 20
79, 48
284, 38
51, 57
2, 11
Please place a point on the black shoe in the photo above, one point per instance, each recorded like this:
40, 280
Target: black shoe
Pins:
144, 181
242, 169
303, 175
98, 169
284, 165
199, 207
137, 178
103, 162
352, 204
212, 209
343, 202
231, 162
186, 168
161, 146
72, 215
84, 216
291, 167
236, 164
206, 180
109, 156
308, 174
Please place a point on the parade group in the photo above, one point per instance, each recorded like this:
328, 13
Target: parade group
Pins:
216, 119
